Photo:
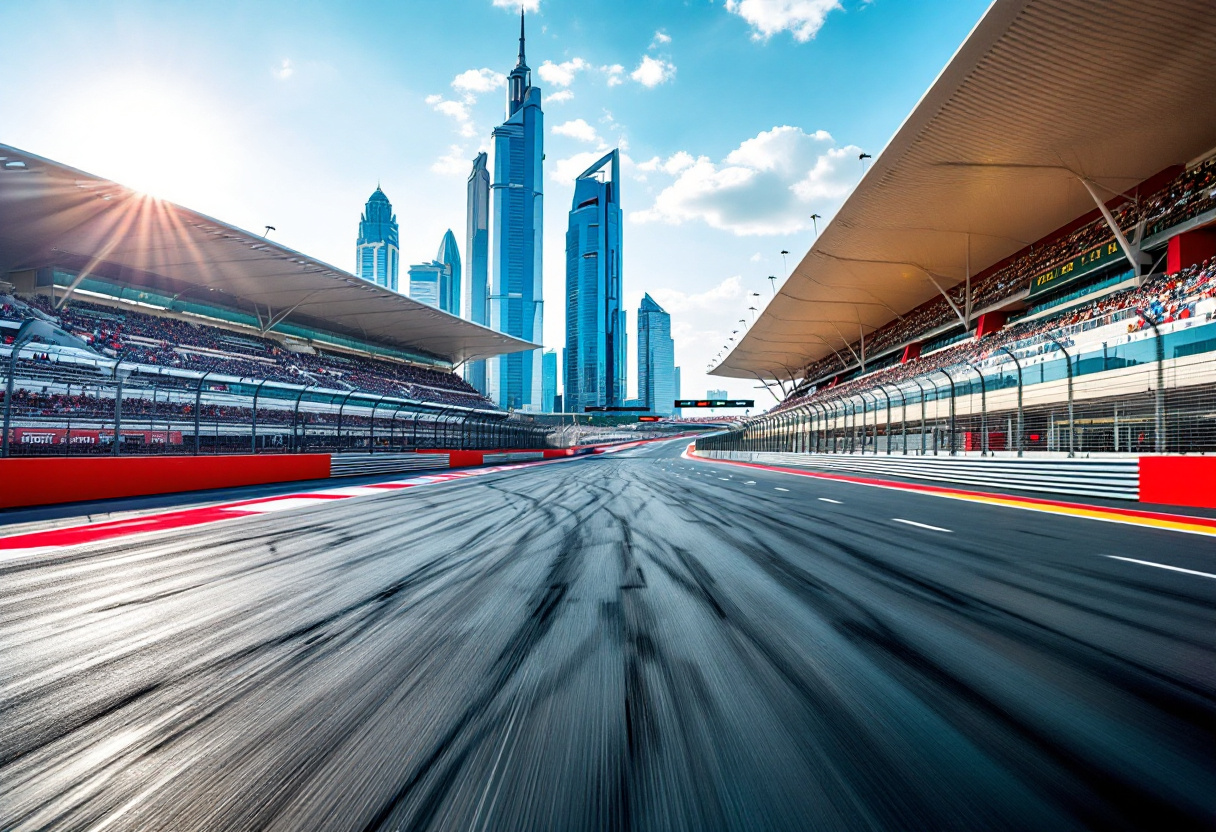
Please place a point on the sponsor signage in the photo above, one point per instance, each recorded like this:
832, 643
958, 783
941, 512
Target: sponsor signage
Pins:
62, 436
682, 403
595, 408
1081, 265
649, 418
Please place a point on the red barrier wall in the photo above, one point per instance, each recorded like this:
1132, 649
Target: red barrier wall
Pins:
44, 481
1189, 249
1178, 480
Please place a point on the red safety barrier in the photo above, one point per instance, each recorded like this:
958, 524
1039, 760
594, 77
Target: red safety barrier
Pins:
49, 480
1178, 480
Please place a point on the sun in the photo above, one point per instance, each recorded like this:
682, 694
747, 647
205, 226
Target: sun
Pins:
153, 136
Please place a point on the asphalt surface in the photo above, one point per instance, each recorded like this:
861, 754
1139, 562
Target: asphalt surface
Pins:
629, 642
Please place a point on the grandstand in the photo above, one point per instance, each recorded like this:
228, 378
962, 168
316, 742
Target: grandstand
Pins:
177, 329
1030, 264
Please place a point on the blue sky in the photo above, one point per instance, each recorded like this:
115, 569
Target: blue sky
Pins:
737, 120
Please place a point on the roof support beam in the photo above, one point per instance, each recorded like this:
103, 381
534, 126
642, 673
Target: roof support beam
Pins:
1135, 256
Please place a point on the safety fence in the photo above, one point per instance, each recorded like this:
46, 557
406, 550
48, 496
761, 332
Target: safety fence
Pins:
1116, 479
1107, 386
54, 406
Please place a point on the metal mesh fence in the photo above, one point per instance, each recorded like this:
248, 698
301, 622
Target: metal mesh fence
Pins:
1063, 393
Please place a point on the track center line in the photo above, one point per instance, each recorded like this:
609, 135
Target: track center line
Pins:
780, 489
1163, 566
829, 500
921, 525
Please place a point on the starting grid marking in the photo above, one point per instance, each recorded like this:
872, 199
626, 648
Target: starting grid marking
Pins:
51, 539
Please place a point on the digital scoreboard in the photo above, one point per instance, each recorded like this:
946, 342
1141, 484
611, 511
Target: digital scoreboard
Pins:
683, 403
649, 418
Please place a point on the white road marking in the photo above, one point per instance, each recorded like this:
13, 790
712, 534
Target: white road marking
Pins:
280, 504
921, 525
780, 489
749, 482
1164, 566
724, 479
828, 500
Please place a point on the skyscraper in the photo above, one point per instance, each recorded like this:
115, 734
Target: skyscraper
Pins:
595, 322
548, 385
516, 192
656, 358
377, 253
437, 283
477, 255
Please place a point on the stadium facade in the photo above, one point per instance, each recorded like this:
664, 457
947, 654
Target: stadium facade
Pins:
516, 250
595, 322
656, 358
377, 251
477, 261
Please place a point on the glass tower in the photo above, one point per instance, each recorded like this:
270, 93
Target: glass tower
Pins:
656, 358
595, 322
548, 386
477, 253
377, 253
516, 195
437, 283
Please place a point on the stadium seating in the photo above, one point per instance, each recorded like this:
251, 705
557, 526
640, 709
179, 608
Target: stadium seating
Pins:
1164, 299
169, 342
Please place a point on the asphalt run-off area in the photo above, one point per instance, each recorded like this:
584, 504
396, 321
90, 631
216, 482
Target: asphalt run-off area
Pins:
638, 640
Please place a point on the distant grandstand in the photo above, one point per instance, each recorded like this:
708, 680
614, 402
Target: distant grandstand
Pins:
1030, 265
177, 329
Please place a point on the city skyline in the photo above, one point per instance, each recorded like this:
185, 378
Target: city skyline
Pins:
438, 282
248, 117
595, 356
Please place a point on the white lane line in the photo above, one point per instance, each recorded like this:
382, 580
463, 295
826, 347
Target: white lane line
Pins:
724, 479
921, 525
780, 489
749, 482
829, 500
1164, 566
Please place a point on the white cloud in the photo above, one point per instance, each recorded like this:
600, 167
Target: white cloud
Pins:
770, 184
614, 73
458, 111
562, 75
660, 38
726, 294
516, 5
802, 18
478, 81
453, 162
756, 258
675, 163
652, 71
284, 70
578, 129
560, 97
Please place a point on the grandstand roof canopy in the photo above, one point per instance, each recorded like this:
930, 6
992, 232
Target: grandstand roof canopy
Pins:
1042, 94
51, 214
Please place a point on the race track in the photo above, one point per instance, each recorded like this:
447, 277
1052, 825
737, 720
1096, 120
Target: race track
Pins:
636, 641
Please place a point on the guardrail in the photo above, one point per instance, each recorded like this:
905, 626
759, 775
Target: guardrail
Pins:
358, 465
1115, 479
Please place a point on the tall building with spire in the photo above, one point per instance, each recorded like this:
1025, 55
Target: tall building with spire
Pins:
477, 262
516, 196
595, 322
377, 253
